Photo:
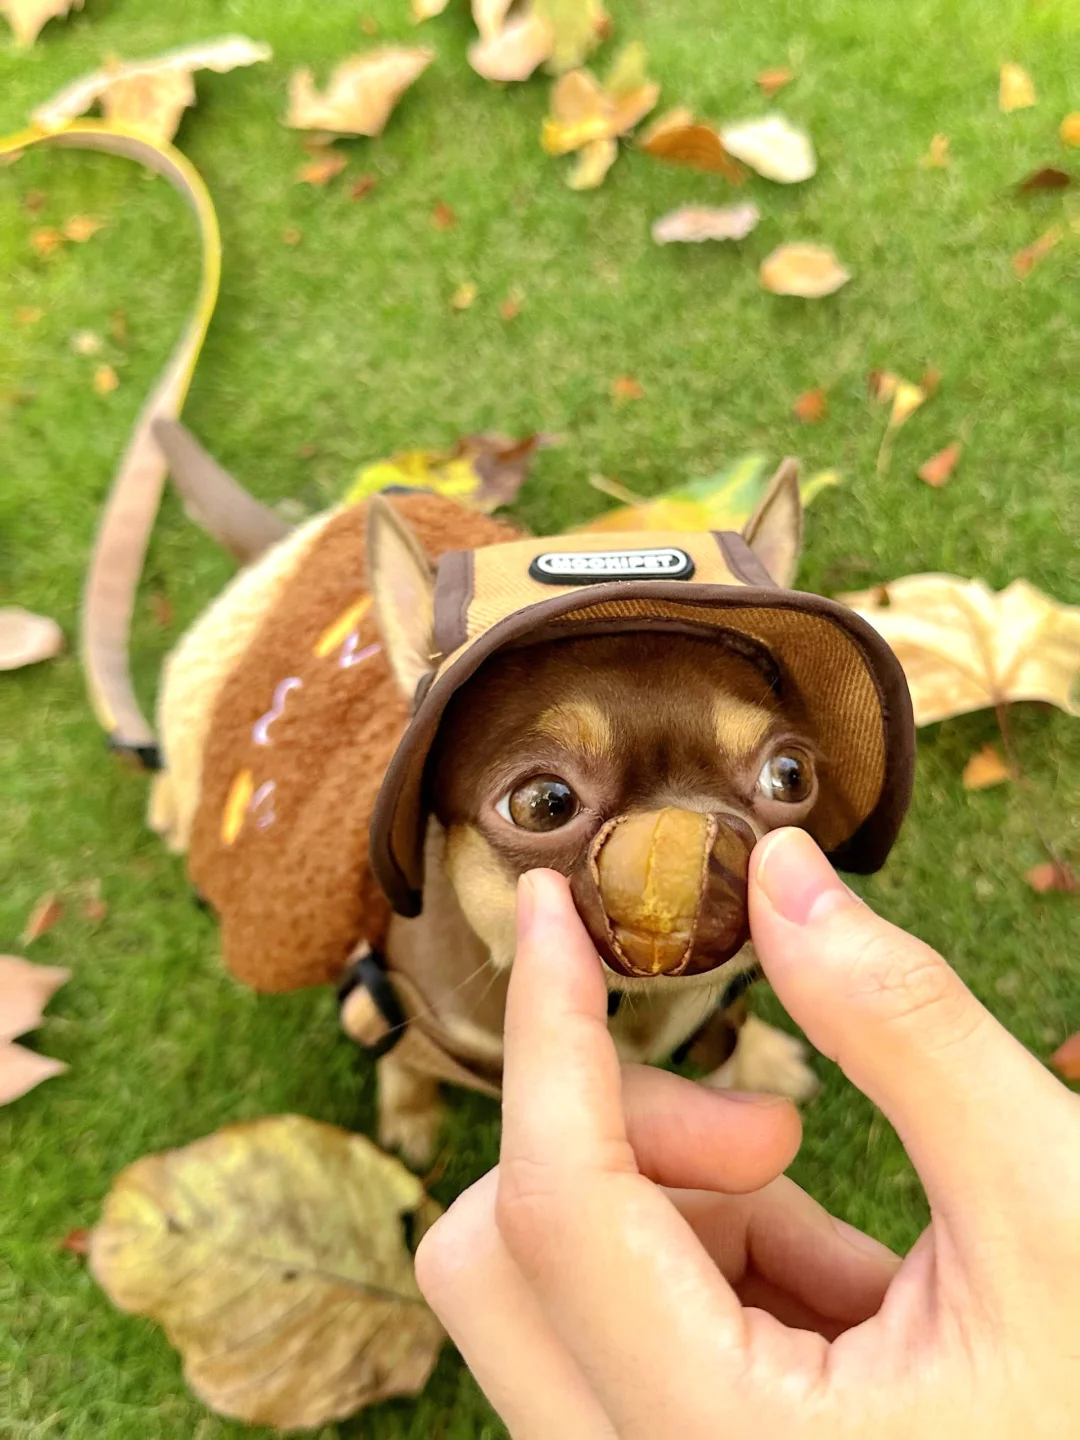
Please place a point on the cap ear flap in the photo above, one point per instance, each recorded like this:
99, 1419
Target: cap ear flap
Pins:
402, 585
774, 532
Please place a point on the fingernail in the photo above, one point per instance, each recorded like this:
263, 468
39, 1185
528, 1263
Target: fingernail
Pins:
863, 1243
526, 906
798, 881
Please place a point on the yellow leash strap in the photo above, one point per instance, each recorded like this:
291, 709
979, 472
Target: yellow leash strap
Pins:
132, 505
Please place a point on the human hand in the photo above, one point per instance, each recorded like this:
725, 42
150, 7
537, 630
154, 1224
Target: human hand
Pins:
612, 1278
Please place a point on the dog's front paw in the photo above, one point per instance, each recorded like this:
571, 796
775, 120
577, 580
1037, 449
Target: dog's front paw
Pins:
412, 1133
766, 1059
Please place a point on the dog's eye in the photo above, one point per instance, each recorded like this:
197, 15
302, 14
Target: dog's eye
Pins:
543, 803
788, 776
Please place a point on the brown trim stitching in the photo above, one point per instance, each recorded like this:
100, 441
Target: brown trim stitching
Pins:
453, 596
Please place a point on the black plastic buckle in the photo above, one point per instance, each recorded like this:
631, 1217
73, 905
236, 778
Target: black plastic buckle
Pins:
369, 971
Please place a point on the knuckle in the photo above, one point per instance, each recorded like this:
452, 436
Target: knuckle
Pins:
528, 1204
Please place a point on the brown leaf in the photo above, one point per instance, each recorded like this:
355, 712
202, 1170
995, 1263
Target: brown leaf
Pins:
162, 607
1053, 876
939, 468
695, 223
47, 240
106, 380
510, 308
964, 647
76, 1242
1070, 129
291, 235
809, 271
1048, 178
34, 201
272, 1255
362, 92
28, 314
464, 296
769, 82
80, 228
625, 388
502, 465
322, 169
676, 140
443, 217
812, 406
1066, 1059
362, 187
930, 382
1016, 91
369, 25
1024, 261
95, 910
118, 327
149, 95
26, 639
881, 385
45, 914
985, 768
28, 17
937, 157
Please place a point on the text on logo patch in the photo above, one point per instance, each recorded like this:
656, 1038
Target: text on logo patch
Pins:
594, 567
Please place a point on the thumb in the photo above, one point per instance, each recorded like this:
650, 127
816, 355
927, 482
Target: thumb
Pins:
970, 1104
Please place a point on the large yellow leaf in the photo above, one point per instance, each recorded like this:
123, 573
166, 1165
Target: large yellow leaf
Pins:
588, 113
28, 17
273, 1255
362, 92
964, 647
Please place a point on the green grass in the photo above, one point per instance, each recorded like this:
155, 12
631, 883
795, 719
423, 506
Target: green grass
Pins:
346, 343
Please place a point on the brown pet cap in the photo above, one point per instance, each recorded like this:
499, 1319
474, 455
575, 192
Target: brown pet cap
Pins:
847, 677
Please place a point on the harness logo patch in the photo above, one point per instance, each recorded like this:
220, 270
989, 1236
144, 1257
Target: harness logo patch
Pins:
595, 567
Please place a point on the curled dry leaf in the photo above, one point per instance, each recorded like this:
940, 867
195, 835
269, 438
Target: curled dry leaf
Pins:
361, 188
1066, 1059
464, 295
939, 468
1016, 90
812, 406
809, 271
593, 163
985, 768
1024, 261
362, 92
481, 471
322, 169
585, 111
25, 990
625, 388
29, 17
443, 216
47, 912
272, 1253
81, 227
1053, 876
769, 82
25, 638
678, 139
937, 157
1070, 129
694, 223
964, 647
577, 27
106, 380
1048, 178
149, 95
773, 147
513, 51
46, 240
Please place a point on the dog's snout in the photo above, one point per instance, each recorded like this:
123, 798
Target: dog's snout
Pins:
663, 892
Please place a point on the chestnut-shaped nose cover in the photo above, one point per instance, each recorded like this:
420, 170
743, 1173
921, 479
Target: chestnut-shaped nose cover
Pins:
663, 892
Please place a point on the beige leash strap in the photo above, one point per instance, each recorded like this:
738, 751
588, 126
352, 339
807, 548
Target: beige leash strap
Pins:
132, 505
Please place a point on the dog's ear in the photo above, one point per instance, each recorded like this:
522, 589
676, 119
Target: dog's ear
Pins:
774, 531
402, 587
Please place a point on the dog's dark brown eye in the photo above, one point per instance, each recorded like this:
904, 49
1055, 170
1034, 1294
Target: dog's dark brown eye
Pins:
544, 803
788, 776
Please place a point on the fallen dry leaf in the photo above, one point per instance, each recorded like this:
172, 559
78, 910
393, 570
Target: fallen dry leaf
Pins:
291, 235
906, 398
76, 1242
47, 240
464, 295
773, 147
118, 327
1016, 91
625, 388
510, 308
1024, 261
1048, 178
513, 51
939, 468
369, 25
694, 223
1053, 876
427, 9
149, 95
26, 639
106, 380
34, 201
577, 28
28, 17
677, 139
363, 187
272, 1254
587, 114
771, 81
80, 228
362, 92
594, 160
985, 768
47, 912
812, 406
322, 169
443, 217
1070, 129
481, 471
86, 342
25, 990
1066, 1059
937, 157
930, 381
809, 271
162, 608
964, 647
95, 910
28, 314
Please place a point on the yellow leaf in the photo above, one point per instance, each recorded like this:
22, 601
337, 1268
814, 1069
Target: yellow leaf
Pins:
1017, 92
985, 768
905, 401
482, 471
964, 647
577, 27
585, 112
149, 95
362, 92
937, 157
322, 169
272, 1255
80, 228
464, 295
106, 380
28, 17
1070, 129
773, 147
809, 271
594, 161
